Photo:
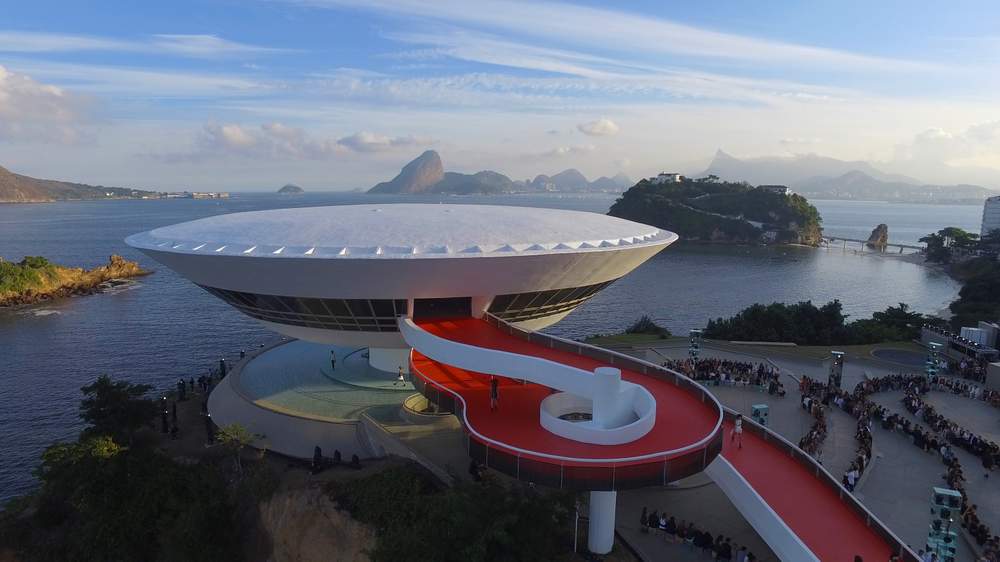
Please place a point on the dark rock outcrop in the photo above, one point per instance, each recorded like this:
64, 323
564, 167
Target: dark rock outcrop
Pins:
879, 237
419, 176
291, 189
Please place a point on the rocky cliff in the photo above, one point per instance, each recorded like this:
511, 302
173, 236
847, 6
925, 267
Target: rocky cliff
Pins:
879, 237
419, 176
305, 526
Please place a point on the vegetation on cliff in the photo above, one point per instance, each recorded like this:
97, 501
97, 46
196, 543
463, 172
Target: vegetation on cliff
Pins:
804, 323
973, 261
472, 521
949, 243
35, 278
707, 209
16, 188
107, 496
979, 298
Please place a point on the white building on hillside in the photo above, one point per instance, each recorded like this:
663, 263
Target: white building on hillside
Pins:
991, 215
776, 189
665, 177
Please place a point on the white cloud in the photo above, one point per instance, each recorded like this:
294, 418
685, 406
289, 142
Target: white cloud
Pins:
371, 142
603, 127
142, 83
278, 141
632, 33
207, 46
197, 46
561, 151
939, 145
799, 141
32, 111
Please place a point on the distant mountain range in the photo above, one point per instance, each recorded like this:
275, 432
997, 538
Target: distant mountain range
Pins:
820, 177
15, 188
426, 174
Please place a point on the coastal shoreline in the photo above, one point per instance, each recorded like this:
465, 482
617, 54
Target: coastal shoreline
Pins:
76, 281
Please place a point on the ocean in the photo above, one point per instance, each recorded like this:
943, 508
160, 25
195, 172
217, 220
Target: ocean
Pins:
163, 327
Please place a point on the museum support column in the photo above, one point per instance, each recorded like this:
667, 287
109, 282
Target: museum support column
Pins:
601, 535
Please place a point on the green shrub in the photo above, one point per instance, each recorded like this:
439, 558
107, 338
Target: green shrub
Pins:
29, 273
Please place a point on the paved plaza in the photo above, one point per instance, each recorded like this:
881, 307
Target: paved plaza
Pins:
896, 486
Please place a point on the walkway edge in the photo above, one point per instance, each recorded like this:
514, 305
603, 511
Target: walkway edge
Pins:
775, 532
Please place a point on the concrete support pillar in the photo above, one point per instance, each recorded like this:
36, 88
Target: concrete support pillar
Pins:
605, 410
601, 535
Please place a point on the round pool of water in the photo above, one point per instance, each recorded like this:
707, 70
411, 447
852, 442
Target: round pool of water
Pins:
297, 378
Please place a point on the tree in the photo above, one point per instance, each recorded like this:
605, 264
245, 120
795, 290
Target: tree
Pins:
235, 438
936, 251
959, 238
901, 319
116, 408
99, 501
943, 244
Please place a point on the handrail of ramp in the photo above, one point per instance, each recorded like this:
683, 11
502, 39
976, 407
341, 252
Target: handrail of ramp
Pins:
639, 365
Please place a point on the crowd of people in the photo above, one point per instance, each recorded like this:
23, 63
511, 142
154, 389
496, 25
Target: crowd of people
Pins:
729, 372
969, 369
812, 402
939, 439
955, 435
970, 390
720, 548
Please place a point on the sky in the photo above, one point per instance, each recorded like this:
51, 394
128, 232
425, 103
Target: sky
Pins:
339, 94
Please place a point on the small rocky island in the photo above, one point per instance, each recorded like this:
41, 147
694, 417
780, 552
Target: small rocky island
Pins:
711, 210
35, 279
879, 237
291, 189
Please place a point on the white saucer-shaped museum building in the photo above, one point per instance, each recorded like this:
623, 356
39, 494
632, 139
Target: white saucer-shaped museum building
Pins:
339, 279
344, 274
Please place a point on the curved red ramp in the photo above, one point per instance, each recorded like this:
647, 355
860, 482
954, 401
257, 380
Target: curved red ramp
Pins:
797, 507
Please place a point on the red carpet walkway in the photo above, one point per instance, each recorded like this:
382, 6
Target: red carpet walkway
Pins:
828, 526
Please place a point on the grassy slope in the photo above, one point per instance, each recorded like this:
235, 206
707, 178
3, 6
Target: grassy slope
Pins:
26, 280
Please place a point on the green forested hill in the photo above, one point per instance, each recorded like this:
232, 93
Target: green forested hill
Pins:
711, 210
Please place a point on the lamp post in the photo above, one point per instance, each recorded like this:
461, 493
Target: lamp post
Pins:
836, 370
933, 358
694, 345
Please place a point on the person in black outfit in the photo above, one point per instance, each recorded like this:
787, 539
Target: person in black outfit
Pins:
494, 393
317, 459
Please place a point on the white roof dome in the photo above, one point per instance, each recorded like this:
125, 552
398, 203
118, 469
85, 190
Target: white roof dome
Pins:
400, 230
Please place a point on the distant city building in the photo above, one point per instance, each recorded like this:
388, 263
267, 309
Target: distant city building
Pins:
665, 177
991, 215
777, 189
210, 195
